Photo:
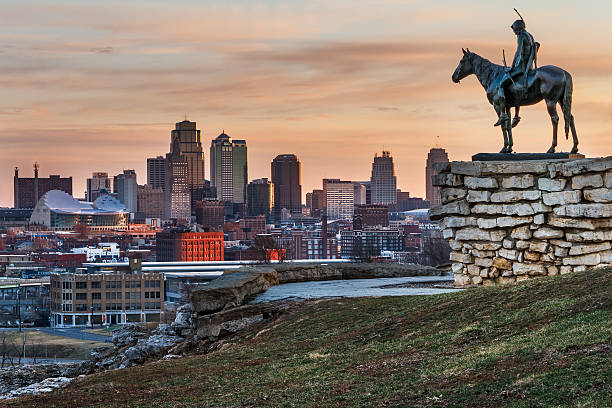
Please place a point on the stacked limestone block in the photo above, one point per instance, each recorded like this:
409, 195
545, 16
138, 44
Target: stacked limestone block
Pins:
509, 221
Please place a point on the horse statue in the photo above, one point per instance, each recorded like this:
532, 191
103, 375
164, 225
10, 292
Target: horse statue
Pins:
549, 83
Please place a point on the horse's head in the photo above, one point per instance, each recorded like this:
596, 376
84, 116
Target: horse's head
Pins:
465, 66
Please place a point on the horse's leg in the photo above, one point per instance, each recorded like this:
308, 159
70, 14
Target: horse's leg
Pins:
498, 110
552, 111
517, 118
574, 135
509, 132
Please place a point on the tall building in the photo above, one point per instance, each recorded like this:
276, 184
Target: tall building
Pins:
340, 199
177, 197
156, 172
27, 191
150, 202
189, 246
432, 193
126, 188
360, 193
98, 184
314, 201
191, 149
286, 177
383, 180
260, 198
371, 215
228, 168
210, 214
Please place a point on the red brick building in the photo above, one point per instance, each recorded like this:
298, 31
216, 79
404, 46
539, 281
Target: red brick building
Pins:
174, 246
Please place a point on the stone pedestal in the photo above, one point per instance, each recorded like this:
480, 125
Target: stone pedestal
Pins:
513, 220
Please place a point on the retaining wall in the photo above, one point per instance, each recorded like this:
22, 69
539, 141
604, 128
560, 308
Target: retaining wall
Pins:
513, 220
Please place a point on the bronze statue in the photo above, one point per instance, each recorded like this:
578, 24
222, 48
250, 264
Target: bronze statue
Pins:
522, 85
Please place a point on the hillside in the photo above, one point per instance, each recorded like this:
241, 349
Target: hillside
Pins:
545, 342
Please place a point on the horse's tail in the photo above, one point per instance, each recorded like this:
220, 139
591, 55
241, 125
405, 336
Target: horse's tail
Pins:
567, 103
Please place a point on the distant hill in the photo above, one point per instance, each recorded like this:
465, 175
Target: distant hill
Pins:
543, 342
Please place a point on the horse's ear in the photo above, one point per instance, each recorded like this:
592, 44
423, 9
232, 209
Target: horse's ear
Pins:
463, 51
468, 51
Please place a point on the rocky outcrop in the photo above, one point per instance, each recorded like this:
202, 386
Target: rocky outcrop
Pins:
525, 219
18, 377
46, 385
288, 273
230, 289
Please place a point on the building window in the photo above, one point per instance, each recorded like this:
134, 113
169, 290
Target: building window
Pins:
146, 284
127, 284
67, 296
81, 296
97, 307
81, 285
157, 294
119, 295
81, 307
146, 295
96, 296
67, 285
108, 295
96, 285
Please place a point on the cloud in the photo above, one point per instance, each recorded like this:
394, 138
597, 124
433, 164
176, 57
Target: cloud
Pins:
102, 50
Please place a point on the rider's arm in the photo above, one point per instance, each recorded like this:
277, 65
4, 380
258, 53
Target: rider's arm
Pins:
518, 55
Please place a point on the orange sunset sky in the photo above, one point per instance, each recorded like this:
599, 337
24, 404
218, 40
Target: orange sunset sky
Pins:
97, 86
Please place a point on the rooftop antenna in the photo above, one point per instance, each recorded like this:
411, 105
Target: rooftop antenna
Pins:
185, 115
437, 141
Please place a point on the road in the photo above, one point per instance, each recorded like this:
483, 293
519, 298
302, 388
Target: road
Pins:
72, 333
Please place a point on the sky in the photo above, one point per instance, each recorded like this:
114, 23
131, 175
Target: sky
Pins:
93, 86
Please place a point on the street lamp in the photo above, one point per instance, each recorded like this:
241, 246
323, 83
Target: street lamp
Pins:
91, 316
19, 306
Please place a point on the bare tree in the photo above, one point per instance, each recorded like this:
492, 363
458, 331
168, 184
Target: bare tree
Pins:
435, 250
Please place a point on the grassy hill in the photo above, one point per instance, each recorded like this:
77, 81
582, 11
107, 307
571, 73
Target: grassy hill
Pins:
544, 342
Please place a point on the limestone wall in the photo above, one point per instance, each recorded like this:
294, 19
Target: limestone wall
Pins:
509, 221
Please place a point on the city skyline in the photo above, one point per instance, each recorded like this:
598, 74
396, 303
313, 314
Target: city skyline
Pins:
89, 89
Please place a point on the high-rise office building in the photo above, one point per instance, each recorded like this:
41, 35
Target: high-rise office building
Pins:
210, 214
177, 197
314, 201
432, 193
156, 172
191, 149
27, 191
286, 177
96, 185
383, 180
340, 199
150, 202
260, 198
126, 188
360, 193
228, 168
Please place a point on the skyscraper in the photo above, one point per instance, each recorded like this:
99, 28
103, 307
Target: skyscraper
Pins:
191, 149
340, 199
260, 198
228, 168
156, 172
99, 181
286, 177
126, 187
150, 202
383, 180
432, 194
177, 197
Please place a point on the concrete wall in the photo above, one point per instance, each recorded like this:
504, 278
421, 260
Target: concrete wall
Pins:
509, 221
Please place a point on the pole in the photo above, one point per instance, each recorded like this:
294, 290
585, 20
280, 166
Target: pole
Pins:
19, 306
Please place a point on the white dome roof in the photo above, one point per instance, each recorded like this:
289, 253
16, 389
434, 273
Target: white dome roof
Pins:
108, 203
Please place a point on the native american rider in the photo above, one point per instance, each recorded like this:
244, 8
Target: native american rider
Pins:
525, 59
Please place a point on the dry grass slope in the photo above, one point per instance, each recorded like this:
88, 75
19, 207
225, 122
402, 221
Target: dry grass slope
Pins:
545, 342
